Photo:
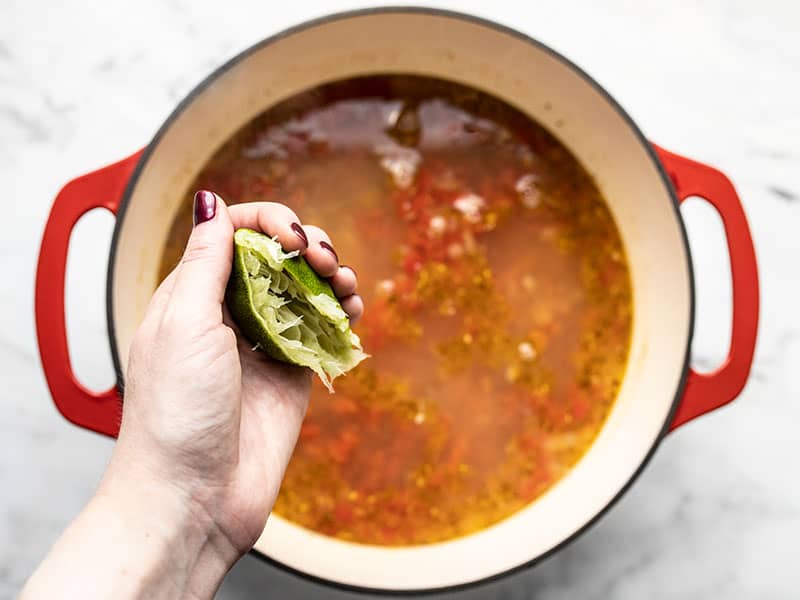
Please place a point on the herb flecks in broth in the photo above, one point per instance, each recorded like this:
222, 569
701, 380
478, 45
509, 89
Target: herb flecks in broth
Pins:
497, 292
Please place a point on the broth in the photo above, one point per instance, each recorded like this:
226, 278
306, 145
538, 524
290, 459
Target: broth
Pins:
498, 302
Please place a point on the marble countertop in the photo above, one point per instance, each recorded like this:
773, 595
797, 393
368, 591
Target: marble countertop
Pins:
717, 512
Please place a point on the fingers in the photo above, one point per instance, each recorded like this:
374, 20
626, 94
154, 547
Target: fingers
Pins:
353, 306
344, 282
279, 220
322, 257
273, 219
321, 254
203, 272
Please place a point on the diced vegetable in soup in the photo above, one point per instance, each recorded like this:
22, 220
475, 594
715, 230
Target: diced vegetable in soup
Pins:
498, 302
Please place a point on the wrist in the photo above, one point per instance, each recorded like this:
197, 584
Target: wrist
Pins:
165, 528
137, 538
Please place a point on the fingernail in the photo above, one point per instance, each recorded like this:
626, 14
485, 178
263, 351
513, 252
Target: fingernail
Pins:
205, 206
349, 267
330, 249
300, 233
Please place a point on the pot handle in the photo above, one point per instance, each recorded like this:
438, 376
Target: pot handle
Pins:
707, 391
100, 412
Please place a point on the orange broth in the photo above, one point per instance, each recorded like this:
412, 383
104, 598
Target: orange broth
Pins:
498, 302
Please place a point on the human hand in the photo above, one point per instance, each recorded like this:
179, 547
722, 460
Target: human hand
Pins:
202, 410
208, 424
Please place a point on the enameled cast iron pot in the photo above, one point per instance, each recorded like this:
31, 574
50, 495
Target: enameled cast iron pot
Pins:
642, 183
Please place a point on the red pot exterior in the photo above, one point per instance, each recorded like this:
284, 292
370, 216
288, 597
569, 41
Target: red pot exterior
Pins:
104, 188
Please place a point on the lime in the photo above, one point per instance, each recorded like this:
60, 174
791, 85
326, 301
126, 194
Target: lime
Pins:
281, 305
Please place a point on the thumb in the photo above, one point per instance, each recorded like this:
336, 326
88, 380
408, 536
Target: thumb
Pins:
206, 264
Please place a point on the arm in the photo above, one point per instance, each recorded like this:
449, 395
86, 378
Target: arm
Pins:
135, 539
208, 427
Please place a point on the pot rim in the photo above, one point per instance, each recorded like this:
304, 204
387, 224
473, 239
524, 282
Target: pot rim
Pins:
421, 10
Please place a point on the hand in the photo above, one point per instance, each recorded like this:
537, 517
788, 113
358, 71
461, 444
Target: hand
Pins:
208, 424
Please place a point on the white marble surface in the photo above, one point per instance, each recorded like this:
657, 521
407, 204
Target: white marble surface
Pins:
716, 514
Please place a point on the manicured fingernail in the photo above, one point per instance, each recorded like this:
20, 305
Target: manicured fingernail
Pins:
330, 249
349, 267
300, 233
205, 206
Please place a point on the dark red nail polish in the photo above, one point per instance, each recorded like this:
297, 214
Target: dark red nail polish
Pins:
330, 249
205, 206
300, 233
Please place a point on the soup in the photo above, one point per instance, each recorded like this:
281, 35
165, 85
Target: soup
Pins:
498, 302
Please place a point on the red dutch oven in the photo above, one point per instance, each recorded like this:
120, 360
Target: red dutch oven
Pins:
643, 184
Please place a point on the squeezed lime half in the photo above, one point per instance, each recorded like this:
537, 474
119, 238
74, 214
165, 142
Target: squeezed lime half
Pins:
288, 311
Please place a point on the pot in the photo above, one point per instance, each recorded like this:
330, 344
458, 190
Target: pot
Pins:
643, 184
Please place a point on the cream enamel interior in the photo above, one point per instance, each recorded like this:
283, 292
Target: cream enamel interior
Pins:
541, 85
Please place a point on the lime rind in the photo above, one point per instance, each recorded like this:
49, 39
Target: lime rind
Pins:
296, 314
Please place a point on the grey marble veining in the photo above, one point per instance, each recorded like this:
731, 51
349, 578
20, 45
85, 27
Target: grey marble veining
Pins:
715, 515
